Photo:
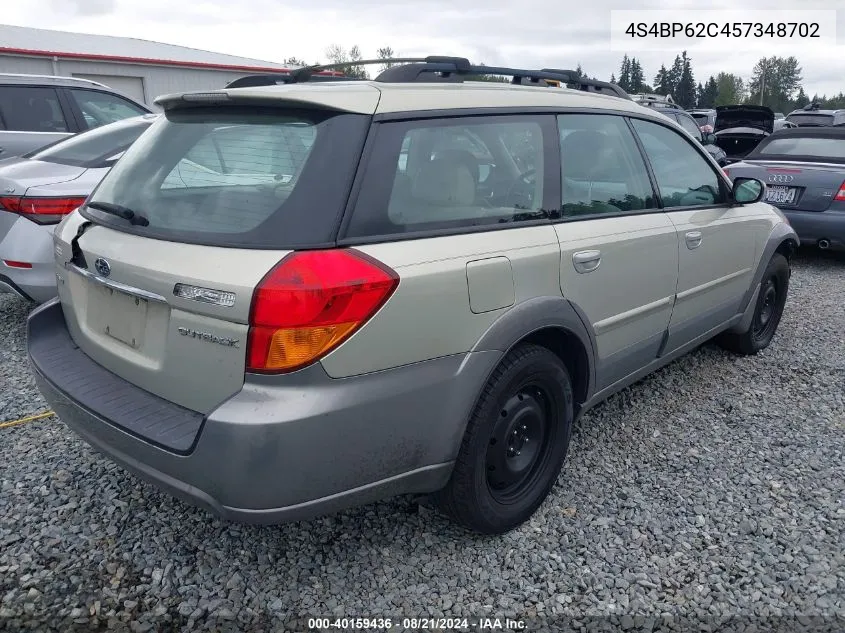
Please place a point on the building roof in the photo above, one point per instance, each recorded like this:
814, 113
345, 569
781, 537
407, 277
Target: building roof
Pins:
21, 40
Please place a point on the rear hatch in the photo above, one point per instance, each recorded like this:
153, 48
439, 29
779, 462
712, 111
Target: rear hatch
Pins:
160, 267
751, 117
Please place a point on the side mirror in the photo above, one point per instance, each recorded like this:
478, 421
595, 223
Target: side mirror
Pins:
708, 138
747, 190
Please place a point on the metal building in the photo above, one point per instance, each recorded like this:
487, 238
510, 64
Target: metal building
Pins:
137, 68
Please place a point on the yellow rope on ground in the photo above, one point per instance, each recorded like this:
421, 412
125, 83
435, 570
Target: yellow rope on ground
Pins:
31, 418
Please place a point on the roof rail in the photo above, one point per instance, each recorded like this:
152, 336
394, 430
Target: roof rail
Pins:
252, 81
435, 69
57, 78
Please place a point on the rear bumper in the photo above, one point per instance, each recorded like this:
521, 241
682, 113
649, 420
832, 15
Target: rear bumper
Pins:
812, 226
279, 450
24, 241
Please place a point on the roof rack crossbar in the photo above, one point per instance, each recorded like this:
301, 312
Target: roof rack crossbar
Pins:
435, 68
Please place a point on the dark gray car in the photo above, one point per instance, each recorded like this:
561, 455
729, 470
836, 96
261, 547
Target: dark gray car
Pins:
804, 169
813, 116
37, 110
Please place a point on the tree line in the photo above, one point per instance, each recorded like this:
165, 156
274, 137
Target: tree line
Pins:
775, 81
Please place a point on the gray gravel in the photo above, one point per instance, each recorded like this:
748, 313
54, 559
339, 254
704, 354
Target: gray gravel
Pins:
713, 488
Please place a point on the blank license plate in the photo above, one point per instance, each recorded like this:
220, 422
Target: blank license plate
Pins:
781, 195
121, 316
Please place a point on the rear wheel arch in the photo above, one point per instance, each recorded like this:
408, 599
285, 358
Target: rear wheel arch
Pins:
556, 324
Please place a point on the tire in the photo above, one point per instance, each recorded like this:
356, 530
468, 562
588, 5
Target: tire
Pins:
767, 314
514, 445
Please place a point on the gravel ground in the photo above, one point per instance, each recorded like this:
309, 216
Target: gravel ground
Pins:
712, 488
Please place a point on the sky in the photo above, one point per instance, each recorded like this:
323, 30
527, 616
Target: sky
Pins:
516, 33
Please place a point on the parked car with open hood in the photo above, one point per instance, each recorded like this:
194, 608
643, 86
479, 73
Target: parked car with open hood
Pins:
38, 189
313, 325
804, 169
739, 128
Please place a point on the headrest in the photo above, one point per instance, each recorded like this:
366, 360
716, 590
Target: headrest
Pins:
583, 151
445, 181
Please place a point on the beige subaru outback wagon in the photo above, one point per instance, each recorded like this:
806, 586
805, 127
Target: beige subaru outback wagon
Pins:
289, 299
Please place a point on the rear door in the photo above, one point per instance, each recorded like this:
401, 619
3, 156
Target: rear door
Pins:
619, 252
718, 244
224, 194
31, 117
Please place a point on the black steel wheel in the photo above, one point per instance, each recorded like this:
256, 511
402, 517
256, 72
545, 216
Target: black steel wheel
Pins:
514, 445
768, 310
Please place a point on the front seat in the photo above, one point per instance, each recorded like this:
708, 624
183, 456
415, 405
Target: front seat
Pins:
42, 114
442, 190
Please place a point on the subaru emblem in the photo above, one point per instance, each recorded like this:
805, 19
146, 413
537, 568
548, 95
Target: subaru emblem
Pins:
102, 267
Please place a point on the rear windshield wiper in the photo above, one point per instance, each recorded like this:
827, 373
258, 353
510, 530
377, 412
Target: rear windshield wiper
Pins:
120, 211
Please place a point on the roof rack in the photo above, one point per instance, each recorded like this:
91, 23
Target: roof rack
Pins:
274, 79
435, 69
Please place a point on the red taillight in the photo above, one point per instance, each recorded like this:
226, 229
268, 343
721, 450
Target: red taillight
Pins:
311, 302
11, 263
41, 210
840, 195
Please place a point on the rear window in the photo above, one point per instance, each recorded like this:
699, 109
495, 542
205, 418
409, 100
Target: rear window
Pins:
96, 148
833, 148
247, 177
810, 119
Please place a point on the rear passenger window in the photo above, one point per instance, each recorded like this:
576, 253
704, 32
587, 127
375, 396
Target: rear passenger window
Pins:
31, 109
684, 177
688, 123
100, 108
603, 170
452, 174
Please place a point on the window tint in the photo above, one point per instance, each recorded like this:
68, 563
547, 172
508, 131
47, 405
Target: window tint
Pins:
603, 170
684, 177
451, 174
232, 155
31, 109
811, 120
237, 176
690, 126
100, 108
94, 147
804, 146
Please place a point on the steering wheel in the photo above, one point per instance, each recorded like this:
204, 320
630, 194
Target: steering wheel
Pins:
522, 190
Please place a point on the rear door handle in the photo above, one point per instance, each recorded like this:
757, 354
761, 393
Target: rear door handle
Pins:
693, 239
586, 261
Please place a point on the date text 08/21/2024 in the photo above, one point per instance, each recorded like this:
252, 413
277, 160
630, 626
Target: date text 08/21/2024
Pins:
416, 624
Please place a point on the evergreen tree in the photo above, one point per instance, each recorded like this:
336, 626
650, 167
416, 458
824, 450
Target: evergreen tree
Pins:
684, 92
801, 100
709, 93
625, 74
662, 83
637, 79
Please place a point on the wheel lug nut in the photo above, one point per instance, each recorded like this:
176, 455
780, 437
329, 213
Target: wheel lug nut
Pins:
518, 453
524, 428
